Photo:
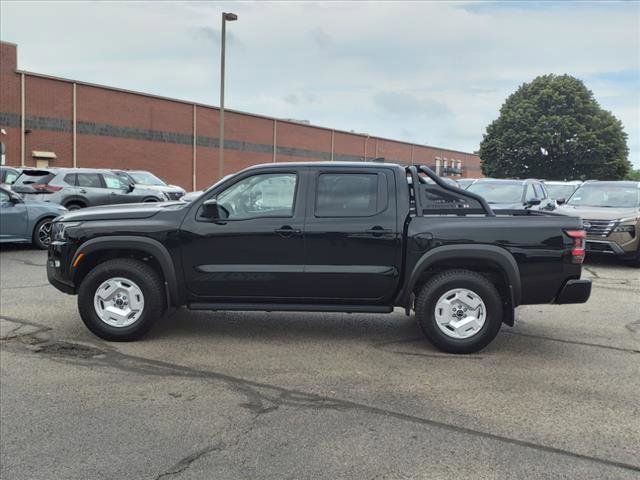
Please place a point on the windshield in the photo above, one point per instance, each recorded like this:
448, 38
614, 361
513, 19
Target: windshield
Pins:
606, 196
559, 191
465, 182
498, 192
146, 178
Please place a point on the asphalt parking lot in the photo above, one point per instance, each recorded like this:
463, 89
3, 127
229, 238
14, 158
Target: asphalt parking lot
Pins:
286, 395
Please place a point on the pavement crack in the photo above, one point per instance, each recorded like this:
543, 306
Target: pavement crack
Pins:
187, 461
19, 287
573, 342
28, 262
259, 394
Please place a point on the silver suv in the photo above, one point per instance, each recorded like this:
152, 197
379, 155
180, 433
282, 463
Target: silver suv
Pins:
145, 179
76, 188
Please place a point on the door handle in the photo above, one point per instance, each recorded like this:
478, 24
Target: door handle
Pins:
378, 231
288, 231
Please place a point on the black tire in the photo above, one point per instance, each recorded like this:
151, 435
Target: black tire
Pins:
140, 273
441, 283
37, 239
74, 206
635, 260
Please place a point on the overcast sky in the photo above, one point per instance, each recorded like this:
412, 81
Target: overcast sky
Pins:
426, 72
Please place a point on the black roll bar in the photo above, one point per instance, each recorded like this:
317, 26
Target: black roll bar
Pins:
414, 169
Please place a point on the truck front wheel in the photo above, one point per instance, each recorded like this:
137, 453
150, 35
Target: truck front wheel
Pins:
459, 311
120, 299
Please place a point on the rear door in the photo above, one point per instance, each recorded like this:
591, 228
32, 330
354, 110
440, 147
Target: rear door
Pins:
91, 189
353, 246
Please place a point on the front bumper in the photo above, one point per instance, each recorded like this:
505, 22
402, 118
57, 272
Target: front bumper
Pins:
574, 291
58, 268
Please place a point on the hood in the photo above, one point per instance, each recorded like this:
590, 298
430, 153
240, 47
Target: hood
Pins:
120, 212
161, 188
598, 213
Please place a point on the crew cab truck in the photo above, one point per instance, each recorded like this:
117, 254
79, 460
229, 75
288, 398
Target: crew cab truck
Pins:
333, 237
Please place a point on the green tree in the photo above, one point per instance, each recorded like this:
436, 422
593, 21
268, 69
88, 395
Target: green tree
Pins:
553, 128
633, 175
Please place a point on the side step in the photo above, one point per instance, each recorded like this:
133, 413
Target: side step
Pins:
290, 307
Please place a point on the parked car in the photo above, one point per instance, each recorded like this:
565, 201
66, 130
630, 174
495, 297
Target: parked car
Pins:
190, 196
8, 175
146, 179
335, 237
464, 183
611, 213
77, 188
561, 191
26, 221
507, 194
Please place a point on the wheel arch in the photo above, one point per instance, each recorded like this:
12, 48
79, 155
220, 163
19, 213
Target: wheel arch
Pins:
493, 261
97, 250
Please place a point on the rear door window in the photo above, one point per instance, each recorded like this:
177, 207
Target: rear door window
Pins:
89, 180
11, 176
350, 194
70, 179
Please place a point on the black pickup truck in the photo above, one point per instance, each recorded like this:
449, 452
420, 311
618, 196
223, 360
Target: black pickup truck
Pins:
334, 237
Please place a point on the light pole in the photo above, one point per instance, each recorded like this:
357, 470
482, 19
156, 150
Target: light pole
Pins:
226, 17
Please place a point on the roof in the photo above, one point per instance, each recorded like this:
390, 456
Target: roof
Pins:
513, 181
613, 183
326, 164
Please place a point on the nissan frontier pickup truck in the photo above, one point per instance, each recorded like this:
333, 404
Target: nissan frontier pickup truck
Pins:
330, 237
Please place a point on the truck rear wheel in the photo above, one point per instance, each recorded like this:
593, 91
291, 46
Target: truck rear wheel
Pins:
459, 311
121, 299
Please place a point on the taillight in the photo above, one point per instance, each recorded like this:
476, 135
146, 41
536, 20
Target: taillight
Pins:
577, 251
44, 188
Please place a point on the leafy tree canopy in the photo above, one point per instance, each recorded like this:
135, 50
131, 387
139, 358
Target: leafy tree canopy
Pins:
553, 128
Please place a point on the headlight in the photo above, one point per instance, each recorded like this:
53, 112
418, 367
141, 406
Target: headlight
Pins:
59, 230
626, 225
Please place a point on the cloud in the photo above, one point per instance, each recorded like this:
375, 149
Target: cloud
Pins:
418, 71
406, 104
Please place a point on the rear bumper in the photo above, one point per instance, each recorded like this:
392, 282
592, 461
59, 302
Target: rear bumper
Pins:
574, 291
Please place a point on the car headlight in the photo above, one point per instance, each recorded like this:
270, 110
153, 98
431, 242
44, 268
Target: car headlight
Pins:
59, 230
626, 225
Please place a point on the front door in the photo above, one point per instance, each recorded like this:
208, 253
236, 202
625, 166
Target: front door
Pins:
254, 251
118, 190
353, 242
13, 218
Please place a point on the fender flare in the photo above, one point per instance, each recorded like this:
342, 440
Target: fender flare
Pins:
496, 255
144, 244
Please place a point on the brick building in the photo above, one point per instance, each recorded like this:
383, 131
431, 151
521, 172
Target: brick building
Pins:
63, 123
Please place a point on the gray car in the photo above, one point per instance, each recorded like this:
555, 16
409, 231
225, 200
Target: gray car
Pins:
26, 221
76, 188
144, 179
511, 194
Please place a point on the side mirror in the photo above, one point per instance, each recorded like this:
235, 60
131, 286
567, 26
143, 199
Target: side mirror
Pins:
15, 198
532, 202
131, 187
561, 201
210, 209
